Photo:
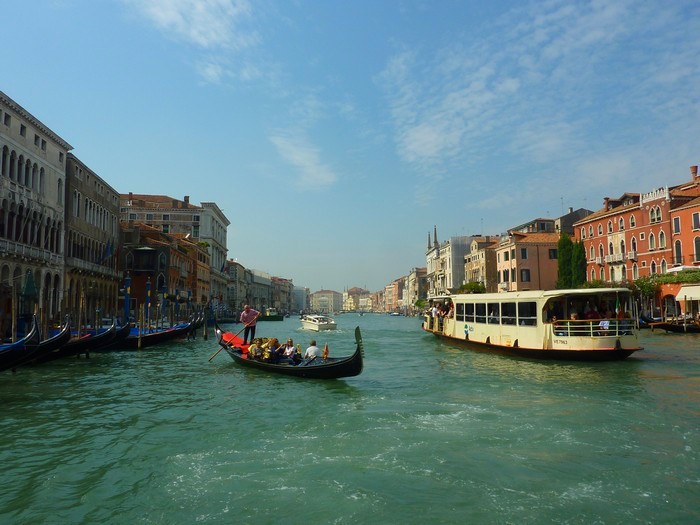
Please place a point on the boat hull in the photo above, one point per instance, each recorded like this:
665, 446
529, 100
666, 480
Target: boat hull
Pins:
584, 354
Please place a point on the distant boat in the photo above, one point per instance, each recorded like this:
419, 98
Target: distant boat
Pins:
318, 323
271, 314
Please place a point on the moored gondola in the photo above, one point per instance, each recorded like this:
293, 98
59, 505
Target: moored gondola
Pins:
136, 341
83, 345
314, 368
12, 354
34, 353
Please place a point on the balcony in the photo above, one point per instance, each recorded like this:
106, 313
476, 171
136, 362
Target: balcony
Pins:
85, 266
632, 256
599, 261
17, 249
615, 257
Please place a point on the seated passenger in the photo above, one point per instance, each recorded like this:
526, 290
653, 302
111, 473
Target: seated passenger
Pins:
288, 352
313, 350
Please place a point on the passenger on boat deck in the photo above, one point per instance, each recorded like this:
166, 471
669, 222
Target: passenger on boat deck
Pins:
451, 311
313, 350
593, 313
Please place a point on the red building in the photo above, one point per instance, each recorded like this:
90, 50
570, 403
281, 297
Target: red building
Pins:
639, 235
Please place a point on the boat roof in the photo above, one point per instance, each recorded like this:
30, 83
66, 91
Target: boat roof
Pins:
530, 294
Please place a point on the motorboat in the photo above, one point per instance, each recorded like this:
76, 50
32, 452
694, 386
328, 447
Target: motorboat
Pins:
318, 323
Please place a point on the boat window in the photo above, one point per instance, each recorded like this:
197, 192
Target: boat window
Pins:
494, 313
480, 312
508, 313
459, 311
527, 313
469, 312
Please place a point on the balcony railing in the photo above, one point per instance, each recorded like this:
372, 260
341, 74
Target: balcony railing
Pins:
80, 264
32, 252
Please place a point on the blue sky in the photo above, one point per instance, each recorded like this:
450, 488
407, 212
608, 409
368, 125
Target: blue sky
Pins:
336, 134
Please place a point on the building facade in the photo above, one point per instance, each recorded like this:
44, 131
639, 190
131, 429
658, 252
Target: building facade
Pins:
527, 261
93, 244
32, 219
640, 234
326, 302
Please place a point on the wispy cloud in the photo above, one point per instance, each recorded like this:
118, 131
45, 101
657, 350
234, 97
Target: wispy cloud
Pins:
204, 23
219, 27
305, 158
547, 88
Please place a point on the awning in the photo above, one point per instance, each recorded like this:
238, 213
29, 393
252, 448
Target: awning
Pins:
690, 292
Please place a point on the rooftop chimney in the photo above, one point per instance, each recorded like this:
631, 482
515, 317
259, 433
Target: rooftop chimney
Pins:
693, 172
606, 203
187, 199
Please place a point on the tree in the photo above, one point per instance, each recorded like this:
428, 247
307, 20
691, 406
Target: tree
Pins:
565, 249
472, 288
578, 265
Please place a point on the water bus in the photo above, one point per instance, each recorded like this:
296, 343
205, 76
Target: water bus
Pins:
579, 324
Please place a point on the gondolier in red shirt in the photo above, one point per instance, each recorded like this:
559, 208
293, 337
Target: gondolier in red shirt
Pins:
249, 317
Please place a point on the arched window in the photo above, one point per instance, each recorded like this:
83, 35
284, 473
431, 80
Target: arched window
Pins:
653, 267
662, 239
592, 251
652, 215
635, 271
612, 274
658, 214
634, 244
592, 274
633, 221
611, 250
677, 252
600, 229
609, 226
590, 231
621, 224
664, 266
600, 251
697, 249
652, 242
622, 247
583, 233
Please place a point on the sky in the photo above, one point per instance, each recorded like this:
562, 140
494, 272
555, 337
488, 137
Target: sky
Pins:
336, 135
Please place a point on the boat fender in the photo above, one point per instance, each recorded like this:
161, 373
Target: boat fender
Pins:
618, 345
515, 344
488, 340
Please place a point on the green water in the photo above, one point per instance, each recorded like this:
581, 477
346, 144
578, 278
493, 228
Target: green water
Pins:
427, 434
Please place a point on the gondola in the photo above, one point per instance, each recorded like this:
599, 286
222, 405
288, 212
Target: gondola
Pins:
314, 368
12, 353
83, 345
44, 347
678, 327
135, 342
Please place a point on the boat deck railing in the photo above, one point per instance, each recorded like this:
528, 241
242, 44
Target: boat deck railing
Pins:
592, 327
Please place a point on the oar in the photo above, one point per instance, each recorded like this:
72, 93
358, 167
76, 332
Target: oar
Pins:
239, 333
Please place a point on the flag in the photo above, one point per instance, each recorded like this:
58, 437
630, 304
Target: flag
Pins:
107, 253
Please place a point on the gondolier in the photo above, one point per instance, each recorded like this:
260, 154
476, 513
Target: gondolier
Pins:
249, 317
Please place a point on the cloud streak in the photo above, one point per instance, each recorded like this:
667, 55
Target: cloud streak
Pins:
305, 158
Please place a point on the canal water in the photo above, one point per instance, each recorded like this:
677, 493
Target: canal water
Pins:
427, 434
